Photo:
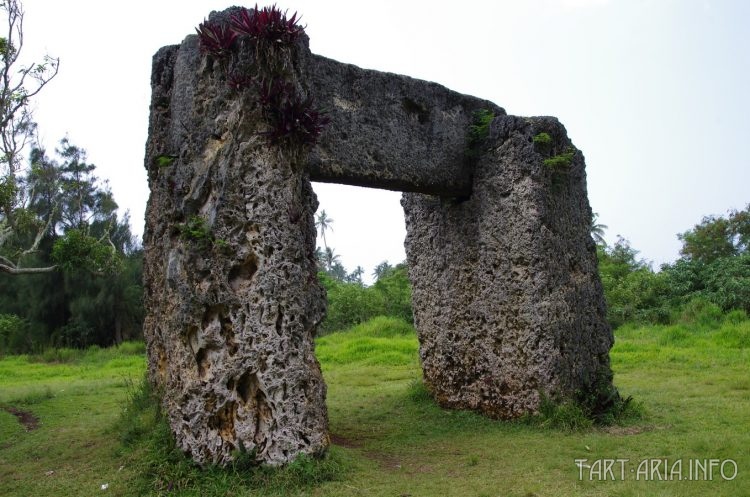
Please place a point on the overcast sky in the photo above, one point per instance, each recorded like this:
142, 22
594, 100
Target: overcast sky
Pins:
654, 92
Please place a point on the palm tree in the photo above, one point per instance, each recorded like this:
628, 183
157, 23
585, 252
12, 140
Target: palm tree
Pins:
331, 258
356, 275
381, 269
323, 223
597, 230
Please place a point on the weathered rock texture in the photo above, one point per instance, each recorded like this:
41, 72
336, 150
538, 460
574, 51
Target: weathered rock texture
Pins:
390, 131
507, 300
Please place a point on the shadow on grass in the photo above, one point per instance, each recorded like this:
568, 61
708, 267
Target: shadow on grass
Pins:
412, 417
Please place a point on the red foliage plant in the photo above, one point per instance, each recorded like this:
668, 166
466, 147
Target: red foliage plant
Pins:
292, 118
268, 23
238, 81
216, 39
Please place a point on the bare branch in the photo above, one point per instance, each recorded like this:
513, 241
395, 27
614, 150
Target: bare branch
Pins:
40, 234
26, 270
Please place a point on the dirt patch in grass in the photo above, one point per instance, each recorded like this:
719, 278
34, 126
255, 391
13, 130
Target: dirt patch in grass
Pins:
342, 441
26, 418
627, 430
384, 460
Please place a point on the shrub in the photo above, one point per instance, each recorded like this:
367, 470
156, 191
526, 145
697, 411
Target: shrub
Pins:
701, 311
634, 293
196, 230
75, 334
736, 316
561, 162
597, 404
542, 139
479, 130
727, 282
351, 303
12, 331
480, 125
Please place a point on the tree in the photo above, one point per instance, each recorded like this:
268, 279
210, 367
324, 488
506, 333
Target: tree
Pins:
597, 230
381, 269
323, 223
85, 215
394, 289
351, 303
330, 259
338, 271
18, 85
631, 288
356, 275
707, 241
96, 299
717, 237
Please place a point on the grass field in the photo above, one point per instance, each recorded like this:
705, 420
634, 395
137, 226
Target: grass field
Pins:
693, 382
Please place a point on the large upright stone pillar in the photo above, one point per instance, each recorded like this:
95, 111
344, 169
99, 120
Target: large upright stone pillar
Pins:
507, 299
232, 296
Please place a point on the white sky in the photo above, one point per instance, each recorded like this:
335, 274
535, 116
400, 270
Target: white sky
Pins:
654, 92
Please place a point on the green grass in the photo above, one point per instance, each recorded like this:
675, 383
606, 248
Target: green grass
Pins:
390, 438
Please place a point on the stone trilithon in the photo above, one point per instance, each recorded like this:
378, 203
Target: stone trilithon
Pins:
507, 300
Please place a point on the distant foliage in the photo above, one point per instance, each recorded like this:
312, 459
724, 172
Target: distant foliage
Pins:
634, 293
717, 237
380, 340
597, 230
724, 281
688, 290
351, 303
96, 297
13, 333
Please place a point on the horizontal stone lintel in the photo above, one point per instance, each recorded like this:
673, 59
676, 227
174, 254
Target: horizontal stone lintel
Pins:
390, 131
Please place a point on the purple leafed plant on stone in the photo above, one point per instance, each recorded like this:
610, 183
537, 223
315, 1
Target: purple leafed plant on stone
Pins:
239, 81
300, 121
272, 93
216, 39
292, 118
268, 23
